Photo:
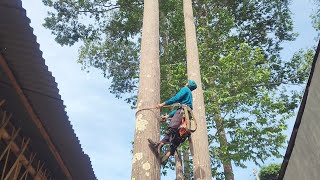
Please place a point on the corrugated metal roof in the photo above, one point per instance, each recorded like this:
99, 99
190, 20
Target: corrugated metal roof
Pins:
21, 51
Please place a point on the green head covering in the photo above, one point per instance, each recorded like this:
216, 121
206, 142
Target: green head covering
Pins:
192, 85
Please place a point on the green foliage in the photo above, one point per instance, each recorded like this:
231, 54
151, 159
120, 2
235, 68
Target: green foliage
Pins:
117, 60
316, 16
247, 86
109, 31
270, 172
246, 83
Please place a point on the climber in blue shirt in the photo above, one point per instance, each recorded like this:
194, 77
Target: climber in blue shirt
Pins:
184, 96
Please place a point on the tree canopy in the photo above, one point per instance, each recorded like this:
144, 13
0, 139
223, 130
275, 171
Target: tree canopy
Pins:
270, 172
248, 88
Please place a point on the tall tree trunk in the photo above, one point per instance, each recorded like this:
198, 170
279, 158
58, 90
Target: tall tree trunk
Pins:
199, 145
179, 170
186, 164
144, 164
225, 157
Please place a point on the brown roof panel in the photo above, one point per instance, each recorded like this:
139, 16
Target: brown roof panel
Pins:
21, 51
20, 119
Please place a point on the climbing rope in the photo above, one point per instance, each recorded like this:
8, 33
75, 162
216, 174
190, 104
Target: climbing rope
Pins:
186, 110
151, 108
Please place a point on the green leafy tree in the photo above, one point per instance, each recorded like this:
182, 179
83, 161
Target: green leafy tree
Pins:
270, 172
248, 88
247, 83
316, 16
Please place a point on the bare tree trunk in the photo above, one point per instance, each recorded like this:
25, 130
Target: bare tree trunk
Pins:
144, 164
199, 145
179, 171
227, 166
186, 164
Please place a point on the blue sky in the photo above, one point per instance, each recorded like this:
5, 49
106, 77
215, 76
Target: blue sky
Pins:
104, 124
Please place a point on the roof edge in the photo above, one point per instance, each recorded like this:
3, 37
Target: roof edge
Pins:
36, 120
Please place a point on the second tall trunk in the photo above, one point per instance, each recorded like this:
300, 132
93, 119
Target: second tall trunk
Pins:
199, 145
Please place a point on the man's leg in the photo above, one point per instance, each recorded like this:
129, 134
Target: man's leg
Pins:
170, 152
173, 126
155, 147
176, 119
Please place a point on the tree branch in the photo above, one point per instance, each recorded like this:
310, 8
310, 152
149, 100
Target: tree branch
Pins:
279, 83
95, 11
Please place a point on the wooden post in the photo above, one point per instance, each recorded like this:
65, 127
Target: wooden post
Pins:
17, 171
24, 175
15, 149
31, 159
9, 144
5, 165
4, 122
34, 117
39, 169
24, 147
2, 102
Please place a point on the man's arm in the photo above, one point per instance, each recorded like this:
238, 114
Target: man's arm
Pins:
169, 116
176, 98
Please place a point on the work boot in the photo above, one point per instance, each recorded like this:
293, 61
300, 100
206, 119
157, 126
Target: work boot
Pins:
164, 158
160, 144
156, 146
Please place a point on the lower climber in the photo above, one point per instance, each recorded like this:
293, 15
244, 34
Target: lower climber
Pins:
184, 96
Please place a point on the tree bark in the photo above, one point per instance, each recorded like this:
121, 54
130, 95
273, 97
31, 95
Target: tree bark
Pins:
199, 145
144, 164
227, 166
186, 164
179, 170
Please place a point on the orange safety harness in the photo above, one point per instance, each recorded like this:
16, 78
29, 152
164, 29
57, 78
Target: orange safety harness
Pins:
188, 124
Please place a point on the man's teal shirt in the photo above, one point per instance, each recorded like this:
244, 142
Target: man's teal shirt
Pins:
184, 96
